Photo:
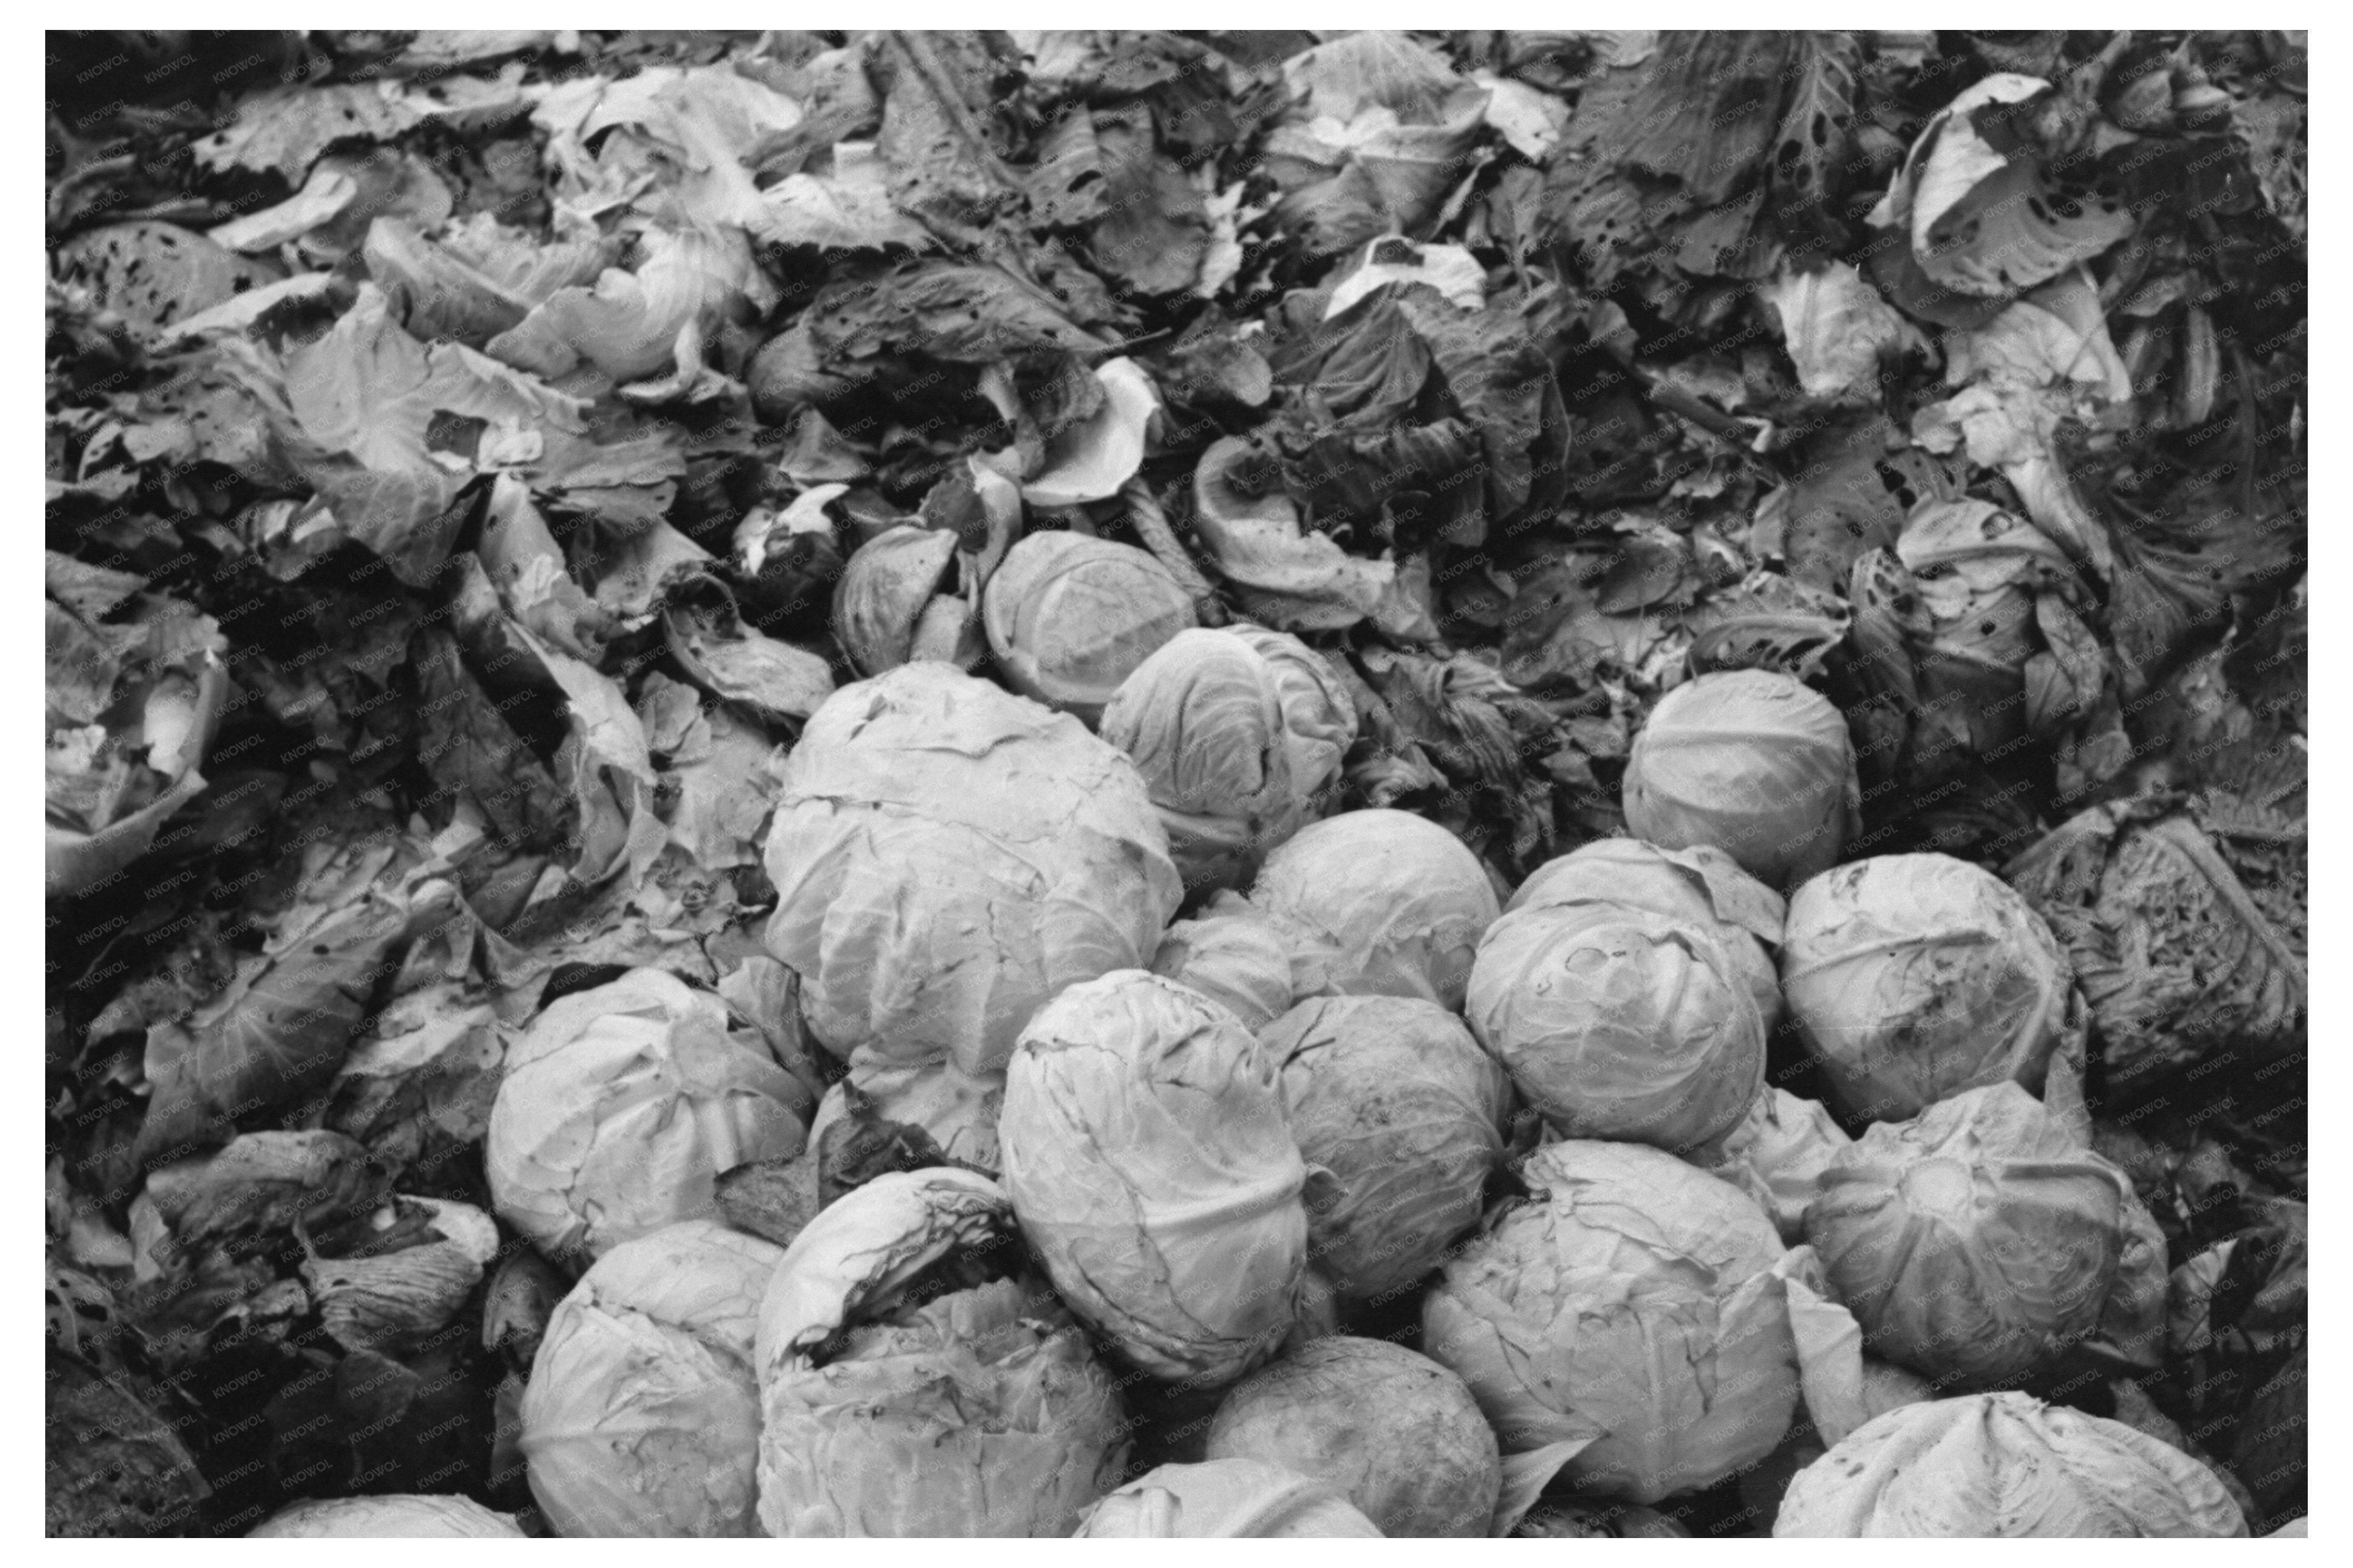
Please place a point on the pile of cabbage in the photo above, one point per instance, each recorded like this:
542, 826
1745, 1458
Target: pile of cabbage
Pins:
1284, 935
1249, 1166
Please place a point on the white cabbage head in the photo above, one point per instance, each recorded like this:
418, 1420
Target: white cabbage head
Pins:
1403, 898
1913, 977
1777, 1155
1394, 1098
948, 856
410, 1515
1239, 733
1631, 1300
1230, 1498
1619, 1023
917, 1380
1977, 1241
1753, 762
1255, 961
641, 1418
1701, 885
1070, 617
623, 1104
1396, 1432
2004, 1466
1154, 1175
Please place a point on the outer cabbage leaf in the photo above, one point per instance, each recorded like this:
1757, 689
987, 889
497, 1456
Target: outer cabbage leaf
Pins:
2006, 1466
1230, 1498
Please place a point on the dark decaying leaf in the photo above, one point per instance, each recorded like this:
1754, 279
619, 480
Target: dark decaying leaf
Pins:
2177, 960
279, 1031
114, 1468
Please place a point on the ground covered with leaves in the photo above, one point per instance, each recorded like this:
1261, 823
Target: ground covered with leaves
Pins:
456, 442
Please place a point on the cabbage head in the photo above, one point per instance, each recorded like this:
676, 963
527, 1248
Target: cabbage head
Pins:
641, 1418
1619, 1023
1777, 1155
1396, 1432
396, 1515
1631, 1299
1393, 1097
1753, 762
1980, 1239
948, 856
1069, 616
1701, 885
916, 1379
1229, 1498
1255, 961
2004, 1466
1913, 977
1148, 1156
1403, 899
623, 1104
1238, 734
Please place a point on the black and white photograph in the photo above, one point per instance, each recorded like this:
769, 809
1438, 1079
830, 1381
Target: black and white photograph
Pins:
1154, 783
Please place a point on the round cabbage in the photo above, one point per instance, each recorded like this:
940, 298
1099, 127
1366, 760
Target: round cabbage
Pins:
623, 1104
1403, 899
1070, 617
946, 857
1913, 977
1777, 1154
1395, 1431
1701, 885
1229, 1498
1980, 1239
1148, 1156
2004, 1466
1631, 1299
1255, 961
1619, 1023
396, 1515
1238, 734
641, 1418
917, 1380
1393, 1097
884, 592
1751, 761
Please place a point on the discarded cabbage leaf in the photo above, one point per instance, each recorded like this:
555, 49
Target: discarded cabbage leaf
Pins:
1629, 1300
1393, 1097
1913, 977
2006, 1466
641, 1418
1752, 762
1618, 1023
1146, 1153
1402, 897
916, 1380
1239, 733
1230, 1498
2187, 941
1977, 1241
1986, 222
620, 1106
1394, 1431
1293, 579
